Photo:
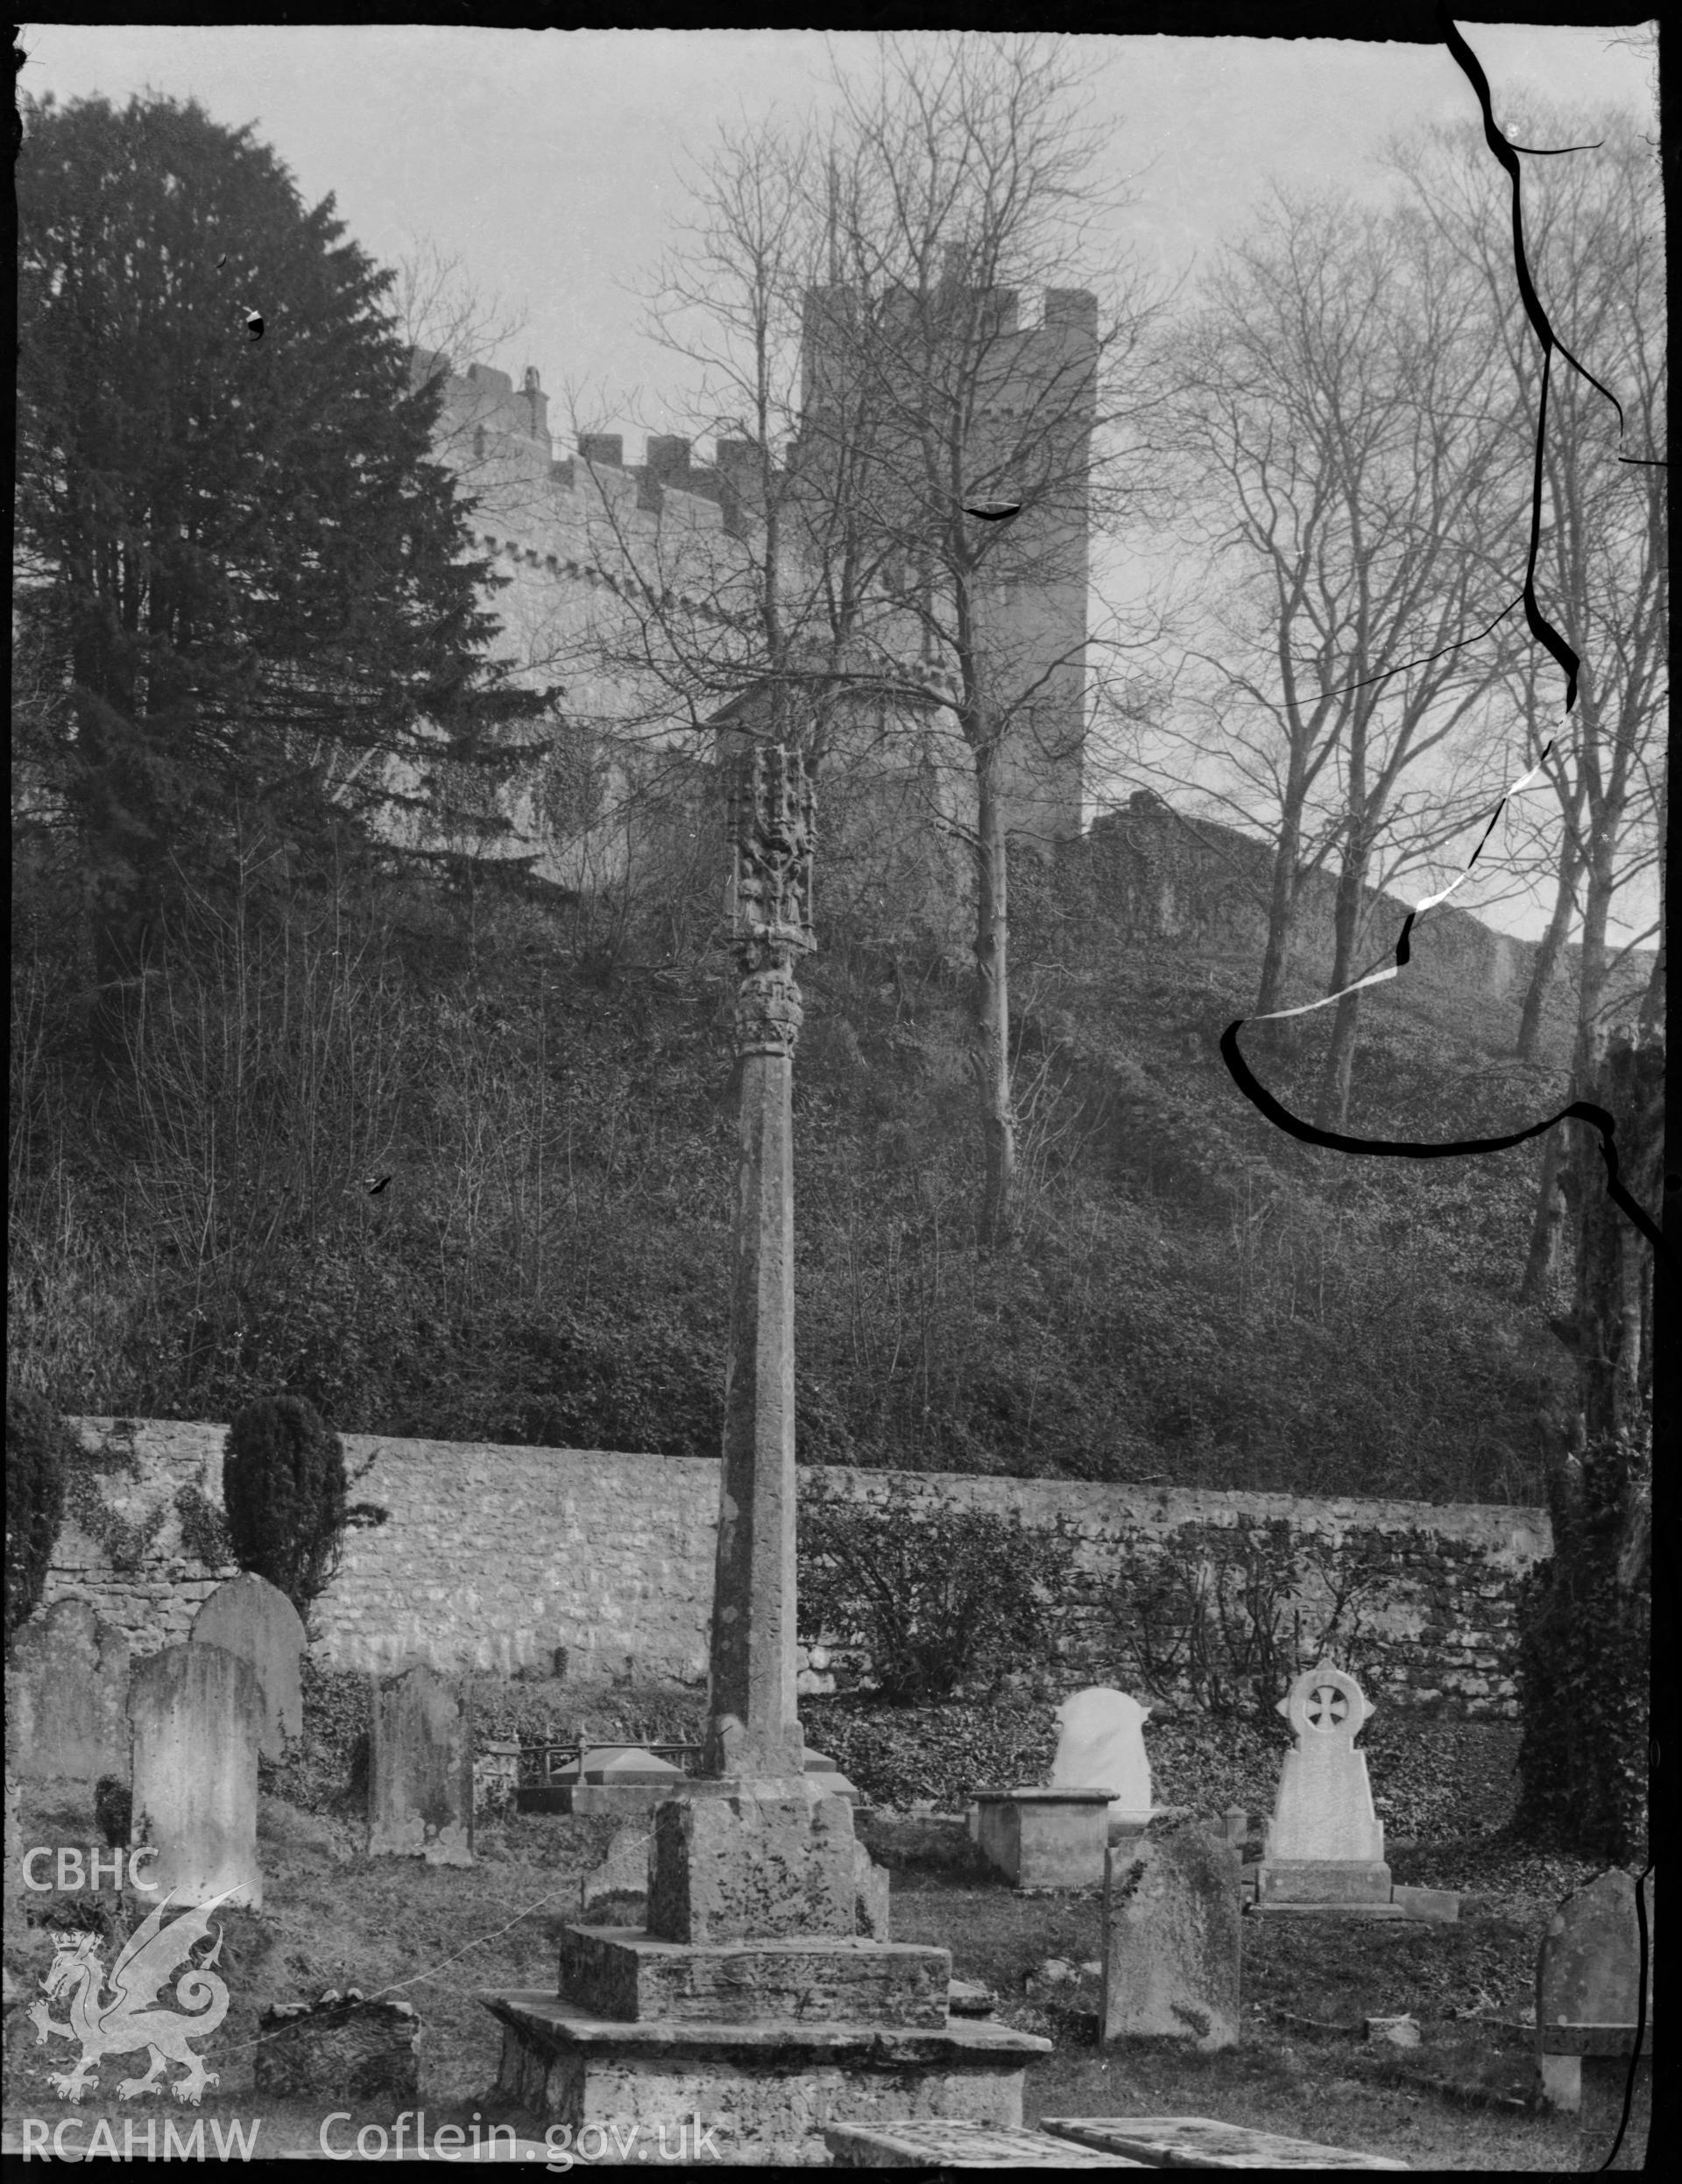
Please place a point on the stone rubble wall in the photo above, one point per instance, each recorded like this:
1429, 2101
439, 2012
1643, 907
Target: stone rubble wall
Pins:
490, 1558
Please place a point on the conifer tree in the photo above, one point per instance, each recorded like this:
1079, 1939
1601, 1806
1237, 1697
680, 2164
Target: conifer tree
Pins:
236, 555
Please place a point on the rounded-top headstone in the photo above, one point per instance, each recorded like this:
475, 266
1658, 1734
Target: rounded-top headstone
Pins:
1101, 1746
252, 1617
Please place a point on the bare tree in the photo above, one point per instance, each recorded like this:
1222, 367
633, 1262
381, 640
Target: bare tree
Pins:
892, 566
958, 175
1596, 244
1344, 465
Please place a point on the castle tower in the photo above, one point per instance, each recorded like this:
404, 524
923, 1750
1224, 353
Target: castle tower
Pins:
872, 375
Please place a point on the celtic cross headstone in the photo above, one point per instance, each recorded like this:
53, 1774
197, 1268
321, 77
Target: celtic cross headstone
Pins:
1325, 1843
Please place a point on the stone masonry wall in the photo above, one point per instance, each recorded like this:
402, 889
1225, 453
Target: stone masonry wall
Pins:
490, 1558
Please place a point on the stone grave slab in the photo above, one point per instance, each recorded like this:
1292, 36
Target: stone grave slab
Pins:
196, 1713
1198, 2142
67, 1697
1101, 1746
956, 2145
252, 1617
1172, 1941
1044, 1837
420, 1781
1324, 1844
1587, 1977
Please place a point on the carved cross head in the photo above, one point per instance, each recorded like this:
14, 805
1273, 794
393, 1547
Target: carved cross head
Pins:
771, 831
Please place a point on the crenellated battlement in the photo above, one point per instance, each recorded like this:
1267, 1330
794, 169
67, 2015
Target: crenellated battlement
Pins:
497, 438
585, 543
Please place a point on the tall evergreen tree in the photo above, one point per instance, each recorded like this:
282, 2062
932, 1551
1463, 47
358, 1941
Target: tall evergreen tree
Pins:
235, 553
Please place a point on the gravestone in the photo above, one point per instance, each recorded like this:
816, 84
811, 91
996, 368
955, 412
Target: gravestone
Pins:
1172, 1915
1587, 1981
67, 1697
252, 1617
1101, 1746
1325, 1844
420, 1781
196, 1713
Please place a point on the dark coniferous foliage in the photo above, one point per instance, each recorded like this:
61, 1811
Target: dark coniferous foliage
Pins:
284, 1489
239, 560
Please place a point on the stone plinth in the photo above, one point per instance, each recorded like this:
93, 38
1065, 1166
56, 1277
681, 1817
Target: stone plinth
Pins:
764, 1862
1045, 1838
772, 2089
749, 1999
622, 1972
1327, 1882
197, 1713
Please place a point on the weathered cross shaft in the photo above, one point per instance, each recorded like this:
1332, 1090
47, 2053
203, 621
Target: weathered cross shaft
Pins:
752, 1729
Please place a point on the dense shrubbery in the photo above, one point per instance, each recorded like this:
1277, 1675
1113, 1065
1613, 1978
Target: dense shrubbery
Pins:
39, 1449
1584, 1667
283, 1486
1195, 1299
1218, 1617
938, 1596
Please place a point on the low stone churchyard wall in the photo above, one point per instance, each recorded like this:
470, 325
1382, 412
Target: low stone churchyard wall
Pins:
493, 1557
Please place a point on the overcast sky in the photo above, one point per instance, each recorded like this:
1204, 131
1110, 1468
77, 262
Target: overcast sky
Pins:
548, 161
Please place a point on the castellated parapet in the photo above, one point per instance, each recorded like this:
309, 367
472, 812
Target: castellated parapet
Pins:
587, 543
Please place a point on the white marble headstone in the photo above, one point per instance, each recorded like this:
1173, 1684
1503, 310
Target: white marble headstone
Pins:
1101, 1746
1325, 1807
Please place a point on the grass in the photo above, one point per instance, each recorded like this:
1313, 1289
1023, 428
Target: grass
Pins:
333, 1918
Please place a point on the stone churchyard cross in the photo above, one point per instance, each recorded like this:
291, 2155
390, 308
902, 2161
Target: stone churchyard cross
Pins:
753, 1730
750, 1986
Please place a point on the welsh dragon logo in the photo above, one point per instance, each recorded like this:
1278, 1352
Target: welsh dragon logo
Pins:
116, 2022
